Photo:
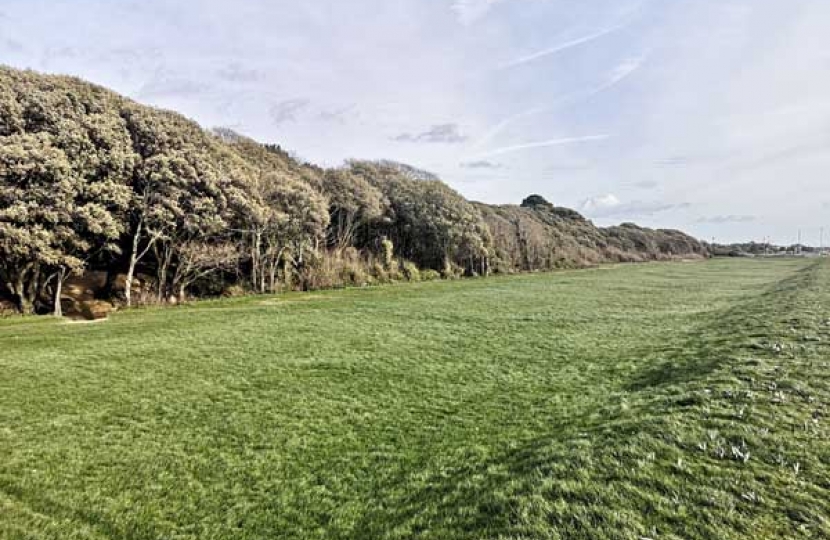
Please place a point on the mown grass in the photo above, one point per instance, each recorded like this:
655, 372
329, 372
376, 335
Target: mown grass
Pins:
652, 401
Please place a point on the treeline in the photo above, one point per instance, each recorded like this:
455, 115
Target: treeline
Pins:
92, 181
759, 249
540, 236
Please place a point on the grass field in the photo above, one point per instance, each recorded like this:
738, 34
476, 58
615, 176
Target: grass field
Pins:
650, 401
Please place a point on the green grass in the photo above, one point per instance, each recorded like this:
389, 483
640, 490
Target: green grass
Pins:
645, 401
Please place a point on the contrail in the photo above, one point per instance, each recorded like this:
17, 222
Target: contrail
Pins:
622, 72
565, 46
542, 144
498, 128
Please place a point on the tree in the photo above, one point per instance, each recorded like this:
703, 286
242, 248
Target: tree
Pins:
353, 203
51, 218
287, 214
432, 224
187, 187
288, 218
66, 157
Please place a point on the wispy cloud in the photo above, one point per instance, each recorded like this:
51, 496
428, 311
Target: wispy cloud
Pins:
165, 83
673, 161
469, 11
481, 164
236, 72
336, 116
721, 220
442, 133
287, 111
600, 203
11, 45
623, 70
646, 184
543, 144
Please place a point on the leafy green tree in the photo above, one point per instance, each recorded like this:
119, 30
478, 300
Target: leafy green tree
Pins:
186, 187
50, 218
353, 203
432, 224
289, 221
287, 216
66, 157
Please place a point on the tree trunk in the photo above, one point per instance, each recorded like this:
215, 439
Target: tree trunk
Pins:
58, 289
24, 302
256, 260
164, 258
26, 305
128, 286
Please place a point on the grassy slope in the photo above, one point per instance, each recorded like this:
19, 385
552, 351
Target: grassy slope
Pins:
638, 401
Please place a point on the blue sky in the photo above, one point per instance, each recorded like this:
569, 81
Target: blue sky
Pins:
708, 115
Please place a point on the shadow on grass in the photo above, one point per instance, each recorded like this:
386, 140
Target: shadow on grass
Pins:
708, 346
579, 480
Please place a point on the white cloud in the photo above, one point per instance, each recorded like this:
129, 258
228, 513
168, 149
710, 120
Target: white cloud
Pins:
600, 204
608, 206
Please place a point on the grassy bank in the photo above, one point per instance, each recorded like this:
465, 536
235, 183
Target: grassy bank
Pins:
660, 401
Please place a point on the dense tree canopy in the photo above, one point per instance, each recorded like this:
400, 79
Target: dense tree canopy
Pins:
90, 180
432, 224
65, 163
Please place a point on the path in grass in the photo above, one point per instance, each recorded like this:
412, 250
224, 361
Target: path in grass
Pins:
659, 401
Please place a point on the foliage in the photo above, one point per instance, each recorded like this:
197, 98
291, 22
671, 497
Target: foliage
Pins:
187, 188
354, 204
540, 236
65, 160
410, 271
430, 275
432, 225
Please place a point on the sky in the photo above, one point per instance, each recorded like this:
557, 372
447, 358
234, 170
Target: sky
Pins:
712, 116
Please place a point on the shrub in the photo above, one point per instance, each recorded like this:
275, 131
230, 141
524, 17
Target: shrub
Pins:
452, 271
410, 271
430, 275
394, 271
234, 291
353, 273
7, 308
378, 271
388, 252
